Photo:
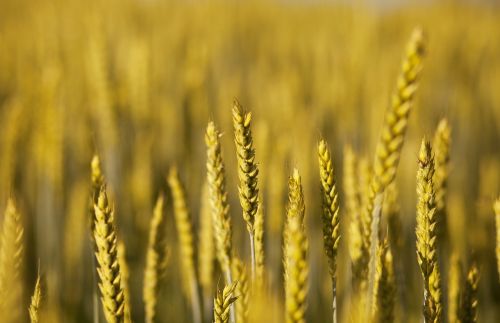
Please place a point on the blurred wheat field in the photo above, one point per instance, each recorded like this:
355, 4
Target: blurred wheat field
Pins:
137, 82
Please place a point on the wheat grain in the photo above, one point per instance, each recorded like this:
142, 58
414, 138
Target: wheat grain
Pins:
112, 295
385, 285
426, 234
125, 274
331, 228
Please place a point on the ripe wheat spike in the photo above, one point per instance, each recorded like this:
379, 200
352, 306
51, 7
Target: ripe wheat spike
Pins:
331, 227
36, 298
218, 200
296, 276
259, 245
388, 149
186, 242
156, 260
108, 266
385, 285
222, 303
469, 298
247, 173
125, 274
455, 278
11, 263
426, 235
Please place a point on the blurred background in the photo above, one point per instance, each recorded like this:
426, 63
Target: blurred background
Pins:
137, 81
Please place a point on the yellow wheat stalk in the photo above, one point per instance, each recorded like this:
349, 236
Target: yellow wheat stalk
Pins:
247, 173
427, 234
11, 263
388, 149
222, 303
385, 285
156, 259
36, 299
186, 242
218, 200
468, 308
331, 227
108, 269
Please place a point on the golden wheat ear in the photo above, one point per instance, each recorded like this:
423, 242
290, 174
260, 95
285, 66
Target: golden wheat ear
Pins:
223, 302
108, 266
331, 227
247, 173
426, 232
468, 307
36, 299
242, 291
385, 285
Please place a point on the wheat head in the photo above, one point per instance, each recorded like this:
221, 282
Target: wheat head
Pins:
222, 303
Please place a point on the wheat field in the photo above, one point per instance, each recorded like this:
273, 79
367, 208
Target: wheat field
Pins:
249, 161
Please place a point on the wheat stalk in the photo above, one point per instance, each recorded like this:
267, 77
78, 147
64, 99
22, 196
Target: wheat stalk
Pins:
247, 173
385, 285
186, 242
156, 258
427, 235
468, 308
223, 302
112, 295
36, 299
331, 228
11, 263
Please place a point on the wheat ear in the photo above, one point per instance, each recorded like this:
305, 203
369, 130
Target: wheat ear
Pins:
297, 272
156, 257
427, 235
247, 173
218, 200
385, 285
259, 245
240, 275
36, 299
112, 296
441, 147
468, 308
222, 303
331, 228
186, 242
388, 149
11, 263
496, 208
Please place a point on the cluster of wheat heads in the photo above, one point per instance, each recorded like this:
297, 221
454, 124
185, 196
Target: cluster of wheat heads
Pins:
370, 195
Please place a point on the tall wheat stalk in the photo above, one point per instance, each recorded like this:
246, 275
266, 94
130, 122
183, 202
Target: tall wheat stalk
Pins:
186, 242
427, 235
331, 227
108, 269
247, 173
